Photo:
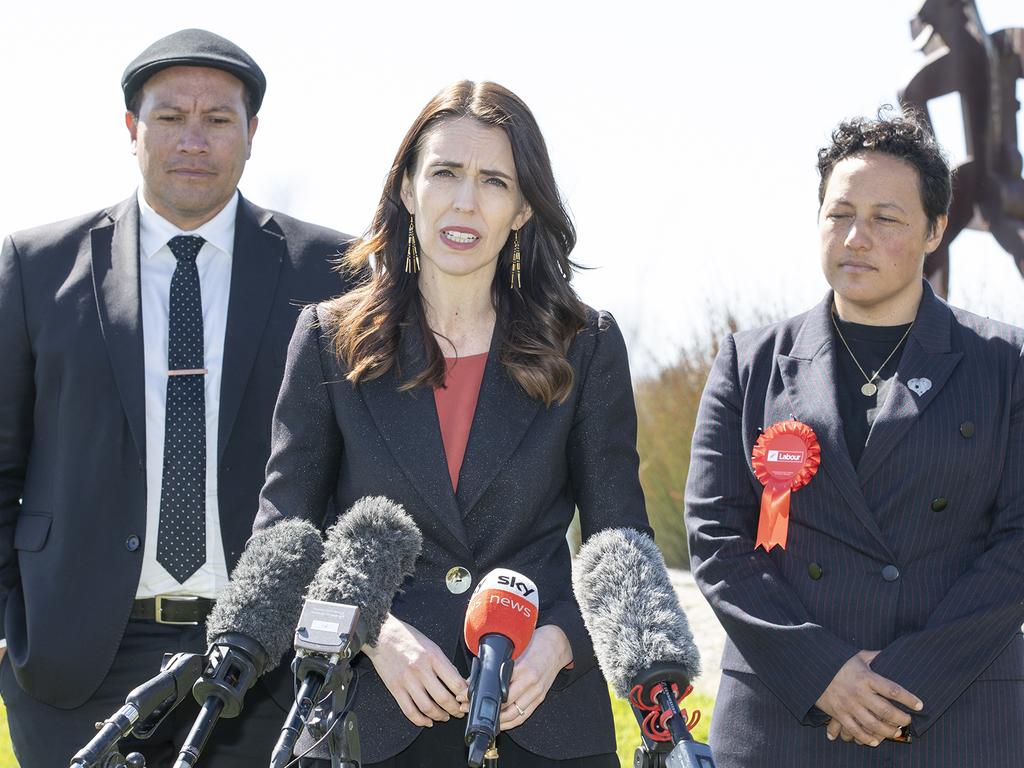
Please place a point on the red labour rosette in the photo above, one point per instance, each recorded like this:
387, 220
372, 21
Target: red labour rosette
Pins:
785, 458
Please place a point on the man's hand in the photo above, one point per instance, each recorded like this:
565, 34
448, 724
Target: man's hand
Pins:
860, 703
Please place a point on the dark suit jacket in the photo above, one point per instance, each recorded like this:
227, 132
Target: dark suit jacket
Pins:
526, 469
72, 423
917, 552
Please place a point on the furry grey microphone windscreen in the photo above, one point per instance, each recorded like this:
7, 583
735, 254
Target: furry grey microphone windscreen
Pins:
369, 552
630, 608
263, 600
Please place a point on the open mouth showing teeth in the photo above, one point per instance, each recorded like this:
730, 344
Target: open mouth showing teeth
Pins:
460, 237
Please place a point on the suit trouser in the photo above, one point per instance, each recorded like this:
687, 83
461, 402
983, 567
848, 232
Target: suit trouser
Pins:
47, 737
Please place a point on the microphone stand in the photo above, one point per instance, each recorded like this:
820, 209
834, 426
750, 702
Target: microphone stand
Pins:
676, 748
114, 759
491, 756
328, 635
339, 727
144, 709
237, 660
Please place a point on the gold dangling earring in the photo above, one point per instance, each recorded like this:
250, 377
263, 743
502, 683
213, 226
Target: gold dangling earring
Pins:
412, 253
517, 262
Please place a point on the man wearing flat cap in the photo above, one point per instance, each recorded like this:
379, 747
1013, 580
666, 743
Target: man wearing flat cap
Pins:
143, 347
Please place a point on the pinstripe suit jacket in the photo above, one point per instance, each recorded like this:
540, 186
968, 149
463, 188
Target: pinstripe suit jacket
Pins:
874, 559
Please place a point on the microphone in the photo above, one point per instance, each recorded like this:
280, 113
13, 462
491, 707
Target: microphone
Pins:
369, 552
500, 620
642, 640
143, 710
248, 629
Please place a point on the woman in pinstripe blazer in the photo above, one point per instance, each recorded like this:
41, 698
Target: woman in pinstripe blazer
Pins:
887, 631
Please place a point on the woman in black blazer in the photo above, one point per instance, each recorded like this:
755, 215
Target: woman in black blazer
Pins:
468, 299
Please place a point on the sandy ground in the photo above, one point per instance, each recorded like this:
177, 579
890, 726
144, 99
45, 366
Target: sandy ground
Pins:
707, 632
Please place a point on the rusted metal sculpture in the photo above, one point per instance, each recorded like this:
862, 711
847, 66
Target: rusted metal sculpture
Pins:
988, 192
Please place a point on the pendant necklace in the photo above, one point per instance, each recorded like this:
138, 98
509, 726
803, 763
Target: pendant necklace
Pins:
868, 388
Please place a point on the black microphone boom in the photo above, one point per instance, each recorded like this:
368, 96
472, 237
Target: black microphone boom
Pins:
238, 661
144, 708
249, 629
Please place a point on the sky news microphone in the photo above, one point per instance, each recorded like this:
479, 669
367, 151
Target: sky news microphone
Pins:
641, 637
249, 629
500, 620
369, 552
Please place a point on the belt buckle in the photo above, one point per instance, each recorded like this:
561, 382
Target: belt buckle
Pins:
158, 610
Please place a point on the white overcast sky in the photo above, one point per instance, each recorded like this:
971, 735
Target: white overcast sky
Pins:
683, 134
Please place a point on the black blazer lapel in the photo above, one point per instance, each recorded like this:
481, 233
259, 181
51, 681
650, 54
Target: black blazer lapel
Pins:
115, 276
504, 413
928, 357
408, 423
255, 269
809, 373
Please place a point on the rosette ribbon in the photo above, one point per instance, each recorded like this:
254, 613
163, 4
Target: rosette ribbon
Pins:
785, 458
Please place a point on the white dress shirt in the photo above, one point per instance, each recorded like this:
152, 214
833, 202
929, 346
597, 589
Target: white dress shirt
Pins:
156, 266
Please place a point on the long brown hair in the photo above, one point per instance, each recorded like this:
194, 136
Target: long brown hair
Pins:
536, 322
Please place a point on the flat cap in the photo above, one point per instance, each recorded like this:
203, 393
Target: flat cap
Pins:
195, 48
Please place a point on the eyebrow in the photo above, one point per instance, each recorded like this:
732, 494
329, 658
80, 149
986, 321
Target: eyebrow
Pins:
844, 201
891, 205
483, 171
179, 108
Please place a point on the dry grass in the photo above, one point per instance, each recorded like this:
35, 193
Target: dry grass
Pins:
666, 405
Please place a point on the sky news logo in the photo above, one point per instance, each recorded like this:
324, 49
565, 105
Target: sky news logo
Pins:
796, 457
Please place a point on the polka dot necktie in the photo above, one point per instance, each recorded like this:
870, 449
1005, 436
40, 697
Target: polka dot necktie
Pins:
181, 542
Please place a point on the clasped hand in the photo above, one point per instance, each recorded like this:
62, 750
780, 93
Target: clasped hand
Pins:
428, 688
534, 672
861, 703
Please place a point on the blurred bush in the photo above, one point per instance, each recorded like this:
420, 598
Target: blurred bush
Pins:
666, 405
666, 409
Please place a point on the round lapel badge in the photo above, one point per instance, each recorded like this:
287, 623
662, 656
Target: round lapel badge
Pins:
458, 580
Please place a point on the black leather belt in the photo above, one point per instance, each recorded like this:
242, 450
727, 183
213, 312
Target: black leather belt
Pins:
172, 609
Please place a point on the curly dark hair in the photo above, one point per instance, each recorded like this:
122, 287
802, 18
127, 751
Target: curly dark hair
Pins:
906, 135
535, 323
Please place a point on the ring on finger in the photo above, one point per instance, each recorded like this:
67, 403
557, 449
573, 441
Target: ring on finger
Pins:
522, 712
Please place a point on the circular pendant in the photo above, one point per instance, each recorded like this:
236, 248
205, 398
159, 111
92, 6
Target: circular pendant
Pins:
868, 389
